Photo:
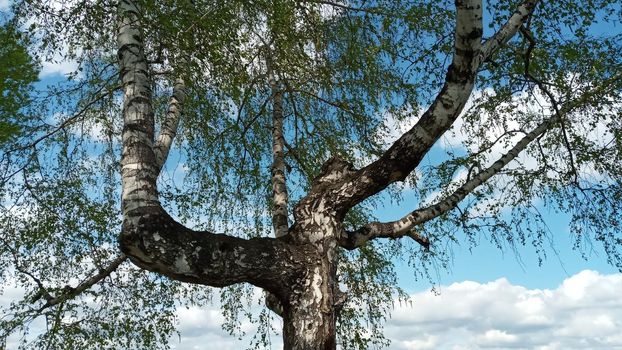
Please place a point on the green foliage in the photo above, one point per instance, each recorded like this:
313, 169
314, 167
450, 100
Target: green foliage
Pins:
18, 71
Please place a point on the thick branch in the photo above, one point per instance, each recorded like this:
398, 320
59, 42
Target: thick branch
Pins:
160, 244
373, 230
150, 237
168, 130
406, 153
508, 30
404, 226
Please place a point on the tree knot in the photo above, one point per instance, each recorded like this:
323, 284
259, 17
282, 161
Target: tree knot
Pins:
334, 169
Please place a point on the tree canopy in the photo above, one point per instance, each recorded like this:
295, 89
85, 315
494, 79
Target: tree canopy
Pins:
17, 72
247, 117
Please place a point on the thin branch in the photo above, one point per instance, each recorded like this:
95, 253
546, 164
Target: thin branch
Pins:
370, 10
542, 86
74, 118
170, 124
71, 292
338, 105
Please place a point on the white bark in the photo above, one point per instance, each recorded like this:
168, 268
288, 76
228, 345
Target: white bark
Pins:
138, 167
168, 131
150, 237
279, 187
508, 30
299, 267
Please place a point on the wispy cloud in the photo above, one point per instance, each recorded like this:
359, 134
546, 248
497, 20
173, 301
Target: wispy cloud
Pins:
57, 66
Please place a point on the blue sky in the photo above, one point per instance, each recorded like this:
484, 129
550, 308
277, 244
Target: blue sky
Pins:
486, 262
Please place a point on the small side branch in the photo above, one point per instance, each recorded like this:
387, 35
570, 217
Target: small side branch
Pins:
170, 124
355, 239
71, 292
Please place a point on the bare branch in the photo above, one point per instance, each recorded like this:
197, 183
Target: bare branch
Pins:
101, 93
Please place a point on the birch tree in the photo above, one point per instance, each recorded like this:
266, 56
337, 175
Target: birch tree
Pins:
279, 112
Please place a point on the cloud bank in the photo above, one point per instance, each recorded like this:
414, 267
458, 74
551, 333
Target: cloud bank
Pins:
584, 312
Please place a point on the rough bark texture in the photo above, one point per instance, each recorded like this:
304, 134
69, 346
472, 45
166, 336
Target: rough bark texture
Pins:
279, 189
299, 267
310, 311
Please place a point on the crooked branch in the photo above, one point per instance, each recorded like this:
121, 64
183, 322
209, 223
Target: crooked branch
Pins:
543, 87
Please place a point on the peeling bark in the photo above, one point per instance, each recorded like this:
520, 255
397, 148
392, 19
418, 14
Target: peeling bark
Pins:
160, 244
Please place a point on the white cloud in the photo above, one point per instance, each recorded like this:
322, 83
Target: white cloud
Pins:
4, 5
57, 66
584, 312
